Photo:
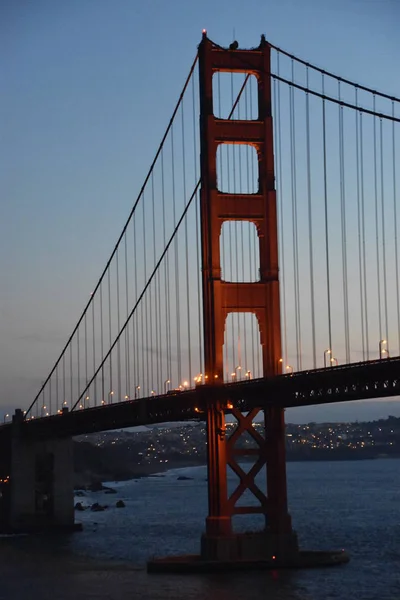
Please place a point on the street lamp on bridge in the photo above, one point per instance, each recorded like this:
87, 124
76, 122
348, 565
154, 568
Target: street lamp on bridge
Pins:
289, 369
328, 351
137, 390
238, 368
5, 417
166, 382
383, 350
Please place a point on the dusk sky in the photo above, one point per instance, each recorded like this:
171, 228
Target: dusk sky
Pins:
87, 89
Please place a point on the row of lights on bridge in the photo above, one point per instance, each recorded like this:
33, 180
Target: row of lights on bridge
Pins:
200, 378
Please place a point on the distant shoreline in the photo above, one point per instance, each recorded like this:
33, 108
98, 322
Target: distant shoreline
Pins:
160, 470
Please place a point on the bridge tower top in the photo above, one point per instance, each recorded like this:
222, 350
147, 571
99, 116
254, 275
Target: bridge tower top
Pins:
222, 297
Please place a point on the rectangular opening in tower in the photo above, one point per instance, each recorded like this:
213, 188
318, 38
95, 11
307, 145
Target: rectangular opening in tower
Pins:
240, 252
242, 348
237, 169
235, 96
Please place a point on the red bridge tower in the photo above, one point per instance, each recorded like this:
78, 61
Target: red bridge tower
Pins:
261, 298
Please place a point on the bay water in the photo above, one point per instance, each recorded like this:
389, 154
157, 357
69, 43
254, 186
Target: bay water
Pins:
353, 505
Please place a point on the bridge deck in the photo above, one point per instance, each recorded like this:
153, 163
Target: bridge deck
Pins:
374, 379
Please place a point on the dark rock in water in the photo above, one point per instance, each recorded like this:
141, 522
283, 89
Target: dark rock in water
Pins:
96, 507
120, 504
80, 493
78, 506
183, 478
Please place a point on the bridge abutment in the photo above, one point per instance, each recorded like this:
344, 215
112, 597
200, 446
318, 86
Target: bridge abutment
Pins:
37, 490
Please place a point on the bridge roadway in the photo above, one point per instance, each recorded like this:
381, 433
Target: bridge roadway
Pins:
373, 379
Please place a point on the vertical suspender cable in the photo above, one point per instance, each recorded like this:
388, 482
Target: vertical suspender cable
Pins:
224, 260
94, 355
310, 224
378, 279
396, 248
144, 321
86, 351
135, 326
240, 229
101, 345
176, 253
57, 397
328, 289
343, 228
198, 251
149, 313
281, 212
186, 248
235, 224
229, 179
294, 222
70, 374
385, 298
363, 237
160, 383
246, 116
166, 277
256, 342
127, 341
79, 361
119, 328
156, 293
63, 370
251, 253
109, 333
360, 260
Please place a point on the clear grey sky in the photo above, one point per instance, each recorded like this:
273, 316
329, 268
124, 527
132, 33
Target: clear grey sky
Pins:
87, 88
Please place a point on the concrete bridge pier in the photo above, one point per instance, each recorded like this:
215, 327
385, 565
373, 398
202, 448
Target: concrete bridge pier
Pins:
36, 481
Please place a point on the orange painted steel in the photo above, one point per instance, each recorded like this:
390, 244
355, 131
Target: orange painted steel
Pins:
221, 298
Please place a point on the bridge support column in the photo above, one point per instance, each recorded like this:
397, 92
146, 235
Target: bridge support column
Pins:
220, 298
39, 488
218, 522
276, 539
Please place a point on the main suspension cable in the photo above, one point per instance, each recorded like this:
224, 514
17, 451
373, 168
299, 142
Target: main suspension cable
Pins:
161, 145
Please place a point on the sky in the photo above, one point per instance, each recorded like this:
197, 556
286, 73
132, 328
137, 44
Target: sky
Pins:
87, 89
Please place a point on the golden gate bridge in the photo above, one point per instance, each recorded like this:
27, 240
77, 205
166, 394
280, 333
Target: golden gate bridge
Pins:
258, 270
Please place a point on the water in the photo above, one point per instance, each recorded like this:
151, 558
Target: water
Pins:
351, 505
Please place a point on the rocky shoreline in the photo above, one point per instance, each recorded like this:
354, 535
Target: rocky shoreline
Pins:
90, 481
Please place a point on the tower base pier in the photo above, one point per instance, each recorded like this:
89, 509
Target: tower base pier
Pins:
251, 551
257, 545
